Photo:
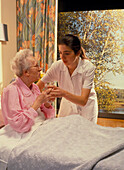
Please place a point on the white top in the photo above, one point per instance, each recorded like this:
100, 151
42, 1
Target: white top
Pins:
82, 77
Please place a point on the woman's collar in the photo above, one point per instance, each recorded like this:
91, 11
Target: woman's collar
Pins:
24, 88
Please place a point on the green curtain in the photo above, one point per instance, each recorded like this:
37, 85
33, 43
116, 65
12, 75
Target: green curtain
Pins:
36, 29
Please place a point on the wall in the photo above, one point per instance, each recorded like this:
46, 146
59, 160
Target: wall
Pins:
8, 49
1, 76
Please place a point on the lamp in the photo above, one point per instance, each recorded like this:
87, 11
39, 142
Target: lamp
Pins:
3, 32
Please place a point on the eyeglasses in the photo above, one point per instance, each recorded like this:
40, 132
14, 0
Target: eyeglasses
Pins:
36, 66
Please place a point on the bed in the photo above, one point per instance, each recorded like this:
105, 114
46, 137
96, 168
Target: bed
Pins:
68, 143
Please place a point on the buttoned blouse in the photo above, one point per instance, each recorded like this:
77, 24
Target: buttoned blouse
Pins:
16, 103
82, 77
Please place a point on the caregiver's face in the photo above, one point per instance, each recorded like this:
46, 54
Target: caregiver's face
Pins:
67, 55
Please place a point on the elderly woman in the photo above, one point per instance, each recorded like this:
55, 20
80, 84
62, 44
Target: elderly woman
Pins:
22, 103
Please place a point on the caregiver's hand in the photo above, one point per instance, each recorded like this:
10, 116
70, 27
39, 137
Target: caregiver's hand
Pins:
77, 99
44, 97
56, 91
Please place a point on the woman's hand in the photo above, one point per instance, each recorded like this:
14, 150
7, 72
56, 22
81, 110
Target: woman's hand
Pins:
80, 100
56, 91
44, 97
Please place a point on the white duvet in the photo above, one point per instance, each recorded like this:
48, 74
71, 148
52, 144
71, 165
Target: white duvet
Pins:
68, 143
9, 139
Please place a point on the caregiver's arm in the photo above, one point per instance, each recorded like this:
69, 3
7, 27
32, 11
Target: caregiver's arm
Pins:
51, 75
86, 88
80, 100
41, 85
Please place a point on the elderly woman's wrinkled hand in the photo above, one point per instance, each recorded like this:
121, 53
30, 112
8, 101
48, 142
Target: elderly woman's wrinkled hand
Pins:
44, 97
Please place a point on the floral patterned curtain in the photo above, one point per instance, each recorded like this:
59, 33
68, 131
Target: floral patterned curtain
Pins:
36, 29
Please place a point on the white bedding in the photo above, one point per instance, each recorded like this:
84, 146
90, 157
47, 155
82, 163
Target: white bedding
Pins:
9, 139
68, 143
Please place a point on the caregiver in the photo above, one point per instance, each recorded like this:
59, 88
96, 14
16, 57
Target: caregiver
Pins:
75, 76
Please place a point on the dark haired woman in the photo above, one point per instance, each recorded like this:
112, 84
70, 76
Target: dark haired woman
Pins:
75, 77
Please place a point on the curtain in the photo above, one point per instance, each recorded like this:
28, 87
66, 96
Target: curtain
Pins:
36, 29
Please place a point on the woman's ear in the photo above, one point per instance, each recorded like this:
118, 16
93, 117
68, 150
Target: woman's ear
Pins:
26, 73
78, 53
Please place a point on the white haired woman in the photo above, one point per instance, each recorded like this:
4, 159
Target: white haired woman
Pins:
22, 102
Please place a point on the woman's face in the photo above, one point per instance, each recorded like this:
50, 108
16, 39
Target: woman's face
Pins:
68, 56
34, 70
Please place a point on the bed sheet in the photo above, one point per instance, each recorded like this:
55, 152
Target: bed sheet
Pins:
68, 143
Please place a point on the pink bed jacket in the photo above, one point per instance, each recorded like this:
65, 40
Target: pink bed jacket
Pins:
16, 103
